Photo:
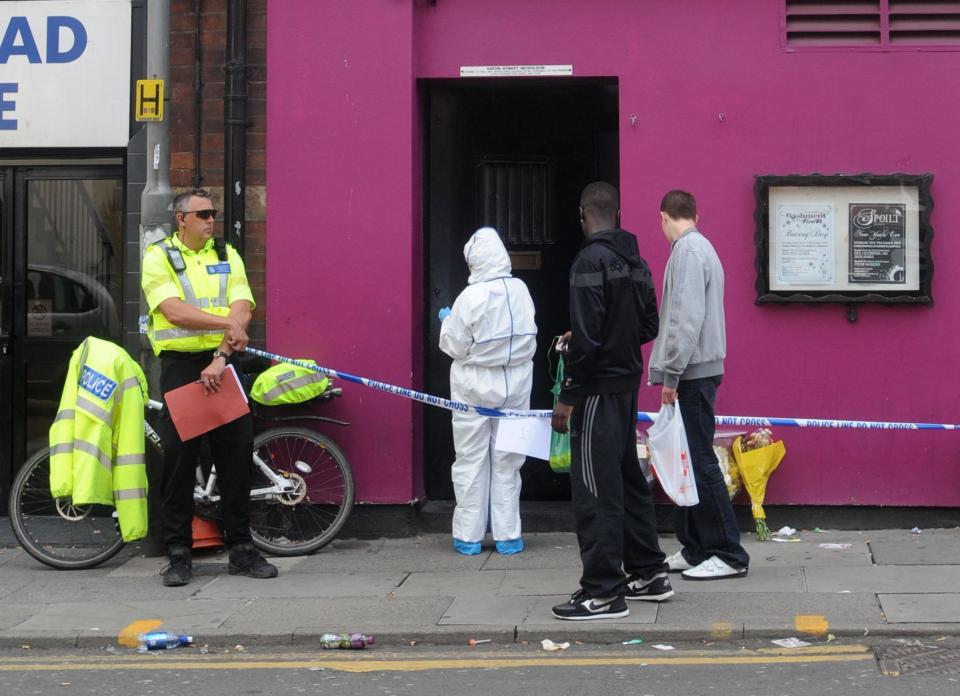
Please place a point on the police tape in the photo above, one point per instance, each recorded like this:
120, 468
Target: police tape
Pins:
642, 416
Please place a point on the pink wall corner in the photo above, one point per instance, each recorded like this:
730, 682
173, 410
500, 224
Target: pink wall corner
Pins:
342, 185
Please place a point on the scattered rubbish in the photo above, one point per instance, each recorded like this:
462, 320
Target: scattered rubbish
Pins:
786, 540
473, 642
866, 631
633, 641
785, 534
391, 595
786, 531
906, 641
790, 643
835, 546
204, 650
317, 669
661, 646
940, 638
25, 647
112, 650
162, 640
411, 643
239, 648
345, 641
831, 637
916, 530
550, 646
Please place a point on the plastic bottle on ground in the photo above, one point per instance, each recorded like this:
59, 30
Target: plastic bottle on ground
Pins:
162, 640
345, 641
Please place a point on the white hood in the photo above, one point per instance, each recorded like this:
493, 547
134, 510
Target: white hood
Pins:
486, 256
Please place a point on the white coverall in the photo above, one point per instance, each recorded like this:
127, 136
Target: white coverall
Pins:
491, 336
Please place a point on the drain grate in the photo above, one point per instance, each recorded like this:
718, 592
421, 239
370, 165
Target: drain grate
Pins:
909, 660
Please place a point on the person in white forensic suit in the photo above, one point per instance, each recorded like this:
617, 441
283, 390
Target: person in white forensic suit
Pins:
491, 335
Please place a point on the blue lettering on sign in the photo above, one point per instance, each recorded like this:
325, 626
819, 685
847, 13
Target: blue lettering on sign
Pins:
95, 383
54, 25
19, 28
18, 40
218, 268
7, 105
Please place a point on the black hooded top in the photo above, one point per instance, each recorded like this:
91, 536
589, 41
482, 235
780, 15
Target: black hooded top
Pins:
613, 311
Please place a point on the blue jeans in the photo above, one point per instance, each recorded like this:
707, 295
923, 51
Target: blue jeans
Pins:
709, 528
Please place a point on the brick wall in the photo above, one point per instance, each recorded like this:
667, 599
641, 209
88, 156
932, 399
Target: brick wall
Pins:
186, 170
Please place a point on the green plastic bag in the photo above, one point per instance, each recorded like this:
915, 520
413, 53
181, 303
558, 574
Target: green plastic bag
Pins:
559, 443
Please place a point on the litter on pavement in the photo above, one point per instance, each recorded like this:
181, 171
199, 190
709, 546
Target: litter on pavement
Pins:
835, 546
661, 646
550, 646
790, 642
633, 641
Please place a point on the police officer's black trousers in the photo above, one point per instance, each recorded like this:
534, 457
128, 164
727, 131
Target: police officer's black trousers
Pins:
231, 446
613, 506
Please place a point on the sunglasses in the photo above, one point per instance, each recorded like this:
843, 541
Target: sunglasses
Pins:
203, 214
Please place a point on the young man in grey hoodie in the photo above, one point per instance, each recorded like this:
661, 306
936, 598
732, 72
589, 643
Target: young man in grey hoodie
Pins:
687, 359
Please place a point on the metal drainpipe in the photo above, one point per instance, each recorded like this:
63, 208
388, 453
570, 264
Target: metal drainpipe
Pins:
235, 125
197, 97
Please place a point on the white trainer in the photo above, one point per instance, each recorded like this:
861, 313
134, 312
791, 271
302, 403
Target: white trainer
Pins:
677, 562
713, 569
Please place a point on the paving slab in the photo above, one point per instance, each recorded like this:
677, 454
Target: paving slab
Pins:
808, 552
8, 555
429, 552
301, 585
203, 564
540, 618
886, 579
485, 610
920, 608
111, 617
762, 579
545, 550
931, 547
14, 615
560, 581
69, 586
466, 583
715, 613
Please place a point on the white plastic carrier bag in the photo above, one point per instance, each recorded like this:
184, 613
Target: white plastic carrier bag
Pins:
670, 456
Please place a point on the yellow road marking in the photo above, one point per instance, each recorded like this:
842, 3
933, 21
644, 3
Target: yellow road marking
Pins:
815, 625
128, 634
377, 664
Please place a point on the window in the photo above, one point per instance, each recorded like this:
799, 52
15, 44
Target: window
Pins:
884, 24
517, 198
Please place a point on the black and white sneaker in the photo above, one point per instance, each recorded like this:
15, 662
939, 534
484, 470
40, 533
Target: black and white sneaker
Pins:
655, 589
583, 607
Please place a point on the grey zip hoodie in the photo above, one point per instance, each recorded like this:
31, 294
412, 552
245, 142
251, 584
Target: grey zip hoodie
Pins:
693, 338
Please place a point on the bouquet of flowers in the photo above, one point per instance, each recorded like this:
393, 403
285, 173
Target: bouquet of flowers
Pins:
757, 457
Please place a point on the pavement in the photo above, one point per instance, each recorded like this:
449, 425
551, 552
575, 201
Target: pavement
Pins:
845, 583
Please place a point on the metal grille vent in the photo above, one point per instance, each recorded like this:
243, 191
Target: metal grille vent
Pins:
872, 23
517, 198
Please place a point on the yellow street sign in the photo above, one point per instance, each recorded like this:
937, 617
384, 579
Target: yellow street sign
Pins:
149, 100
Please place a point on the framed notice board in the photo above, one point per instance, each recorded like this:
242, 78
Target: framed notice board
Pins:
844, 238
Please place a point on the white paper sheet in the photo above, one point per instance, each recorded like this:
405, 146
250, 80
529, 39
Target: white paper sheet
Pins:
529, 436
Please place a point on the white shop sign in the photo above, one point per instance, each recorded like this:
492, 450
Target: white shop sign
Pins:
64, 73
516, 70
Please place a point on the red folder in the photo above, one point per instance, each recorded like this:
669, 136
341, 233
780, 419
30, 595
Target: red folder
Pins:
195, 412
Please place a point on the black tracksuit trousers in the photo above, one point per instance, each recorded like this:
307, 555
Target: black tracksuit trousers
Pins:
232, 448
613, 505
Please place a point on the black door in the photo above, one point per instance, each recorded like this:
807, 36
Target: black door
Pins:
63, 227
513, 155
6, 366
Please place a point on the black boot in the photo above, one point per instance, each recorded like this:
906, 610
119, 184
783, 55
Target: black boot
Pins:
246, 560
180, 570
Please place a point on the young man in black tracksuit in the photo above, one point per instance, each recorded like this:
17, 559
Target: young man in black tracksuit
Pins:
613, 311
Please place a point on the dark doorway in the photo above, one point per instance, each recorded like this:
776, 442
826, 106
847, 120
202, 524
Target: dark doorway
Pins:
61, 272
512, 154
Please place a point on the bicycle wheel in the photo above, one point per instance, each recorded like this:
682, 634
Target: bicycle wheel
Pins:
55, 531
312, 514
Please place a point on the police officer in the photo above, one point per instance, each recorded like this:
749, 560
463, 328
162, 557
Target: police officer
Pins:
200, 306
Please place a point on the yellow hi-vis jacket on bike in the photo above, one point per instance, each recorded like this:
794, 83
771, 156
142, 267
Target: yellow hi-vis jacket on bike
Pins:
202, 279
288, 384
96, 440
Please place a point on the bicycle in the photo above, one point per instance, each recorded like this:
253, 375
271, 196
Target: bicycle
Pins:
301, 496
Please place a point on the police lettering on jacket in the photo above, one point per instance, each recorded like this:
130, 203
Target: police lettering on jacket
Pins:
95, 383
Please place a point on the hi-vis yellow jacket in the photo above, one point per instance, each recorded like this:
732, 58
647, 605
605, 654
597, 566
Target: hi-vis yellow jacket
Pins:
288, 384
96, 440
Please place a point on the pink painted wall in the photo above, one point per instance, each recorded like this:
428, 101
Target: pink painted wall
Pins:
343, 182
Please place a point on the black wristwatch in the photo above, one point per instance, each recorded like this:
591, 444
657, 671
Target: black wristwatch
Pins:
220, 354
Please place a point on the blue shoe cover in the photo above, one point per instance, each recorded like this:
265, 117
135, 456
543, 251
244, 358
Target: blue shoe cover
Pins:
467, 548
510, 546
